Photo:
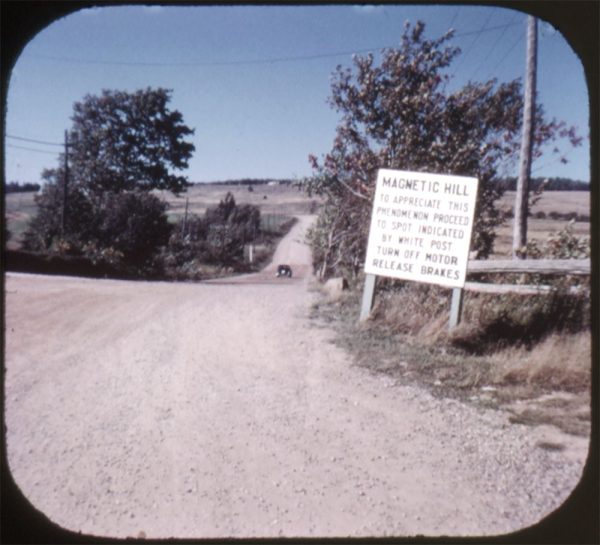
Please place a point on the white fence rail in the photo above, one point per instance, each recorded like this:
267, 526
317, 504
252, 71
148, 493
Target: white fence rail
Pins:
536, 266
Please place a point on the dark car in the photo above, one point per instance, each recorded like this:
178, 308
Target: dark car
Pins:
284, 270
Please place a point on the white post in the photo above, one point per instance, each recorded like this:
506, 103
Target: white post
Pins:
456, 307
368, 295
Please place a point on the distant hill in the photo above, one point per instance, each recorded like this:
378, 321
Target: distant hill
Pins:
552, 184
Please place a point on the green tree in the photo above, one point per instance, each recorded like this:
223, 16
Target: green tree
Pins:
401, 115
123, 141
230, 226
134, 226
121, 146
45, 228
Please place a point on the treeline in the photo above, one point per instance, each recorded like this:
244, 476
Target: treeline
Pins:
248, 181
16, 187
128, 235
549, 184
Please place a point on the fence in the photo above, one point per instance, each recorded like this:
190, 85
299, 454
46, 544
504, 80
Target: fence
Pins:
531, 266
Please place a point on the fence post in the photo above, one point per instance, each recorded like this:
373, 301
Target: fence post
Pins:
368, 295
456, 307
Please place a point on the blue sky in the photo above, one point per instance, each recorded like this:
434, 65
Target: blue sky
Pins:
253, 80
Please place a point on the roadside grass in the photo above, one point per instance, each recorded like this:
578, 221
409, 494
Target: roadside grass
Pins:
547, 382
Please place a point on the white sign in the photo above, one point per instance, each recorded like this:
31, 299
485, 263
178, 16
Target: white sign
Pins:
421, 227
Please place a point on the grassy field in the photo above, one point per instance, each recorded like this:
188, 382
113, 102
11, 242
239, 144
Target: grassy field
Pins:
274, 200
562, 202
283, 200
554, 201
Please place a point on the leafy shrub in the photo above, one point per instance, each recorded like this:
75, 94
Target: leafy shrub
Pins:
563, 244
45, 231
121, 229
133, 226
218, 238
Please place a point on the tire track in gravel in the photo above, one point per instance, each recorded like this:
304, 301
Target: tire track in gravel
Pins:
218, 409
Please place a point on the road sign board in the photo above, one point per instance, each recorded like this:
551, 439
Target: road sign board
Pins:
421, 227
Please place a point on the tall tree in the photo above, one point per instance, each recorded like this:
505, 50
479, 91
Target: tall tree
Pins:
122, 141
400, 115
120, 147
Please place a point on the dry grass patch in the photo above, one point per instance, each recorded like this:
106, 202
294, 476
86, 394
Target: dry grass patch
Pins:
407, 338
560, 361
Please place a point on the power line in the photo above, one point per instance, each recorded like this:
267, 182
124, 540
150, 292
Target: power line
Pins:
455, 16
33, 141
478, 35
517, 41
492, 49
250, 61
31, 149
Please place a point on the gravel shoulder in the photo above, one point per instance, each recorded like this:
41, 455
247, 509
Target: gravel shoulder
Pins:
219, 409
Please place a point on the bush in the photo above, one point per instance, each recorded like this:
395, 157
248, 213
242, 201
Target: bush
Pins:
123, 230
216, 239
45, 231
132, 225
563, 244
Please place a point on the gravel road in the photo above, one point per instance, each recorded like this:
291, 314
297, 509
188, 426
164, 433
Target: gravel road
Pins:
219, 409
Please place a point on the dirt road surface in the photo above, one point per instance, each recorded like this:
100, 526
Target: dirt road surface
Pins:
220, 410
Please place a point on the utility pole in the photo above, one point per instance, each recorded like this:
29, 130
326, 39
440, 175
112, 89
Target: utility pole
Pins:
521, 202
63, 219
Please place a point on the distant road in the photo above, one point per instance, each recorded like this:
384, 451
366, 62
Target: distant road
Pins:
219, 409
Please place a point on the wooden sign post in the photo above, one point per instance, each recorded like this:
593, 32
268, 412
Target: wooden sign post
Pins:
421, 227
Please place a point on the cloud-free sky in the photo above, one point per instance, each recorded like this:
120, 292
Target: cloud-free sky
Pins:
253, 81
